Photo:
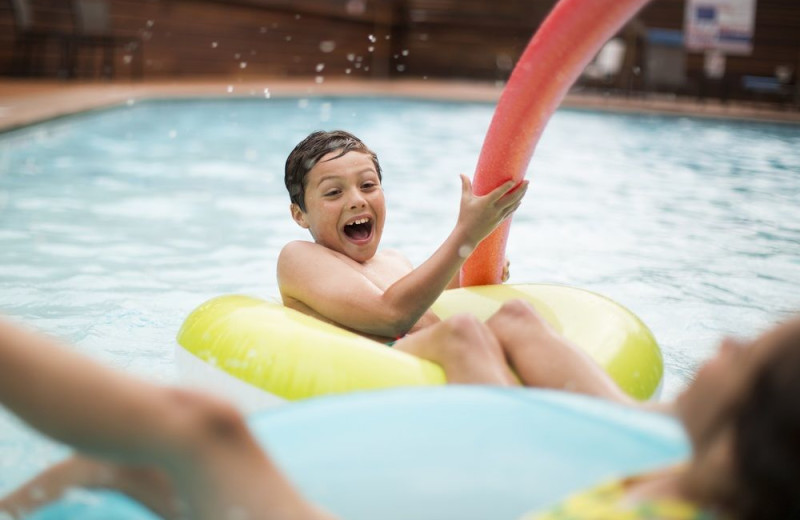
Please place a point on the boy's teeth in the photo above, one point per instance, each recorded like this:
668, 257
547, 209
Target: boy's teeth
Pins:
361, 221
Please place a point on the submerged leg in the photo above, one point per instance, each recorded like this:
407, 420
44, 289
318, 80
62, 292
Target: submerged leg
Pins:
149, 486
464, 347
543, 358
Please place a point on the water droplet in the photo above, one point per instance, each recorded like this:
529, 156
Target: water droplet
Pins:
356, 7
347, 71
237, 56
130, 102
302, 103
126, 59
370, 48
464, 251
351, 57
405, 52
230, 88
401, 68
262, 30
214, 45
37, 493
236, 513
358, 65
372, 38
243, 65
288, 38
327, 46
504, 61
297, 17
319, 79
388, 36
366, 69
266, 93
320, 67
150, 23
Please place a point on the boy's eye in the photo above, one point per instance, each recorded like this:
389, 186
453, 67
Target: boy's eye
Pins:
368, 185
331, 193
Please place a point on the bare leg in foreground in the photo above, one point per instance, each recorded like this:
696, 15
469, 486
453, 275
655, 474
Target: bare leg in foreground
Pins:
200, 444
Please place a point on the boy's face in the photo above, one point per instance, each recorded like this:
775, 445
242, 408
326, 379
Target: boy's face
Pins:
345, 208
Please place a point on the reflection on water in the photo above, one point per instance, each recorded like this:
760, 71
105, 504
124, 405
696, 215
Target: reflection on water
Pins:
114, 225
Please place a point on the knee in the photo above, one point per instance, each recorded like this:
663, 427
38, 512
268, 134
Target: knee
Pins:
513, 314
518, 309
463, 329
468, 338
200, 421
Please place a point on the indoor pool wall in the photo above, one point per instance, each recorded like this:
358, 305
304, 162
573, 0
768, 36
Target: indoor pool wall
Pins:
115, 224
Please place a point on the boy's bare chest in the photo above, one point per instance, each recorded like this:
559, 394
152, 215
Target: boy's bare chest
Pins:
383, 272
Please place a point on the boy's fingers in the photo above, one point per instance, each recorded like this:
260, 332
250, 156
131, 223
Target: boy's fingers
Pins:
501, 191
515, 196
510, 210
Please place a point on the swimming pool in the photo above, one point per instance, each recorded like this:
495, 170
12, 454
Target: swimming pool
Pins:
115, 224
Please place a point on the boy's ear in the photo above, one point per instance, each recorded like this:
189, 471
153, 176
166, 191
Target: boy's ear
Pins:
298, 215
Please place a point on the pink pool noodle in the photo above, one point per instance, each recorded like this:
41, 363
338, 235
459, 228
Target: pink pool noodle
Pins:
565, 43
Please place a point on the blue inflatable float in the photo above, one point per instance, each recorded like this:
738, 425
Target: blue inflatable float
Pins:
439, 453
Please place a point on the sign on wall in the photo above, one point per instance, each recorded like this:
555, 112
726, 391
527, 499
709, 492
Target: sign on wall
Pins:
720, 25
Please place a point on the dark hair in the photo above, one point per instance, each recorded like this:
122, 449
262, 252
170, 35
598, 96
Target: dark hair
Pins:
310, 150
766, 446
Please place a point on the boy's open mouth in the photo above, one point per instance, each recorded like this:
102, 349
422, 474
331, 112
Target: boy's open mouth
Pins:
359, 229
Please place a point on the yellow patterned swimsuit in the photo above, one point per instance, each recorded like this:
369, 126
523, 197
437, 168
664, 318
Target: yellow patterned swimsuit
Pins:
606, 502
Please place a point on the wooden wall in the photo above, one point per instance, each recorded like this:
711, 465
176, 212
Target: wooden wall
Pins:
479, 39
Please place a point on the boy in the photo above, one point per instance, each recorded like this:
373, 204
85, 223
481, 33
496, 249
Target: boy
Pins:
334, 183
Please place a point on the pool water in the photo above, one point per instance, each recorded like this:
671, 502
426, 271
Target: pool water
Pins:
115, 224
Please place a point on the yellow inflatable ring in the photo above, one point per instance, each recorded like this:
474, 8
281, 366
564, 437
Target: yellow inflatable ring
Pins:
294, 356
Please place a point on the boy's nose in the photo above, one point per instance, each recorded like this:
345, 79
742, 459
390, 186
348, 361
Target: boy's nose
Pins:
357, 200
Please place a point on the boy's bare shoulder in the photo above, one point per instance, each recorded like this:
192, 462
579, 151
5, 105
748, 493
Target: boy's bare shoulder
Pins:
296, 254
298, 263
302, 249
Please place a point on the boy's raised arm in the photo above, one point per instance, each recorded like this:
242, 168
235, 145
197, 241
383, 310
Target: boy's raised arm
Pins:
326, 284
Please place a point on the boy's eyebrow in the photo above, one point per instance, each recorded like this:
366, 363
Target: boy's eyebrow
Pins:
327, 178
335, 177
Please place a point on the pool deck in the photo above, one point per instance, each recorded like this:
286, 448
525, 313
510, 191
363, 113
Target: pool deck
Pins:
24, 102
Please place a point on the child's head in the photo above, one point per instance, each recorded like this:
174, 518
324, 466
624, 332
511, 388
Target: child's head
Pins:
334, 182
743, 419
310, 150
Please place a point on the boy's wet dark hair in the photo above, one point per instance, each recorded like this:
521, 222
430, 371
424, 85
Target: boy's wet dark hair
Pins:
767, 437
310, 150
